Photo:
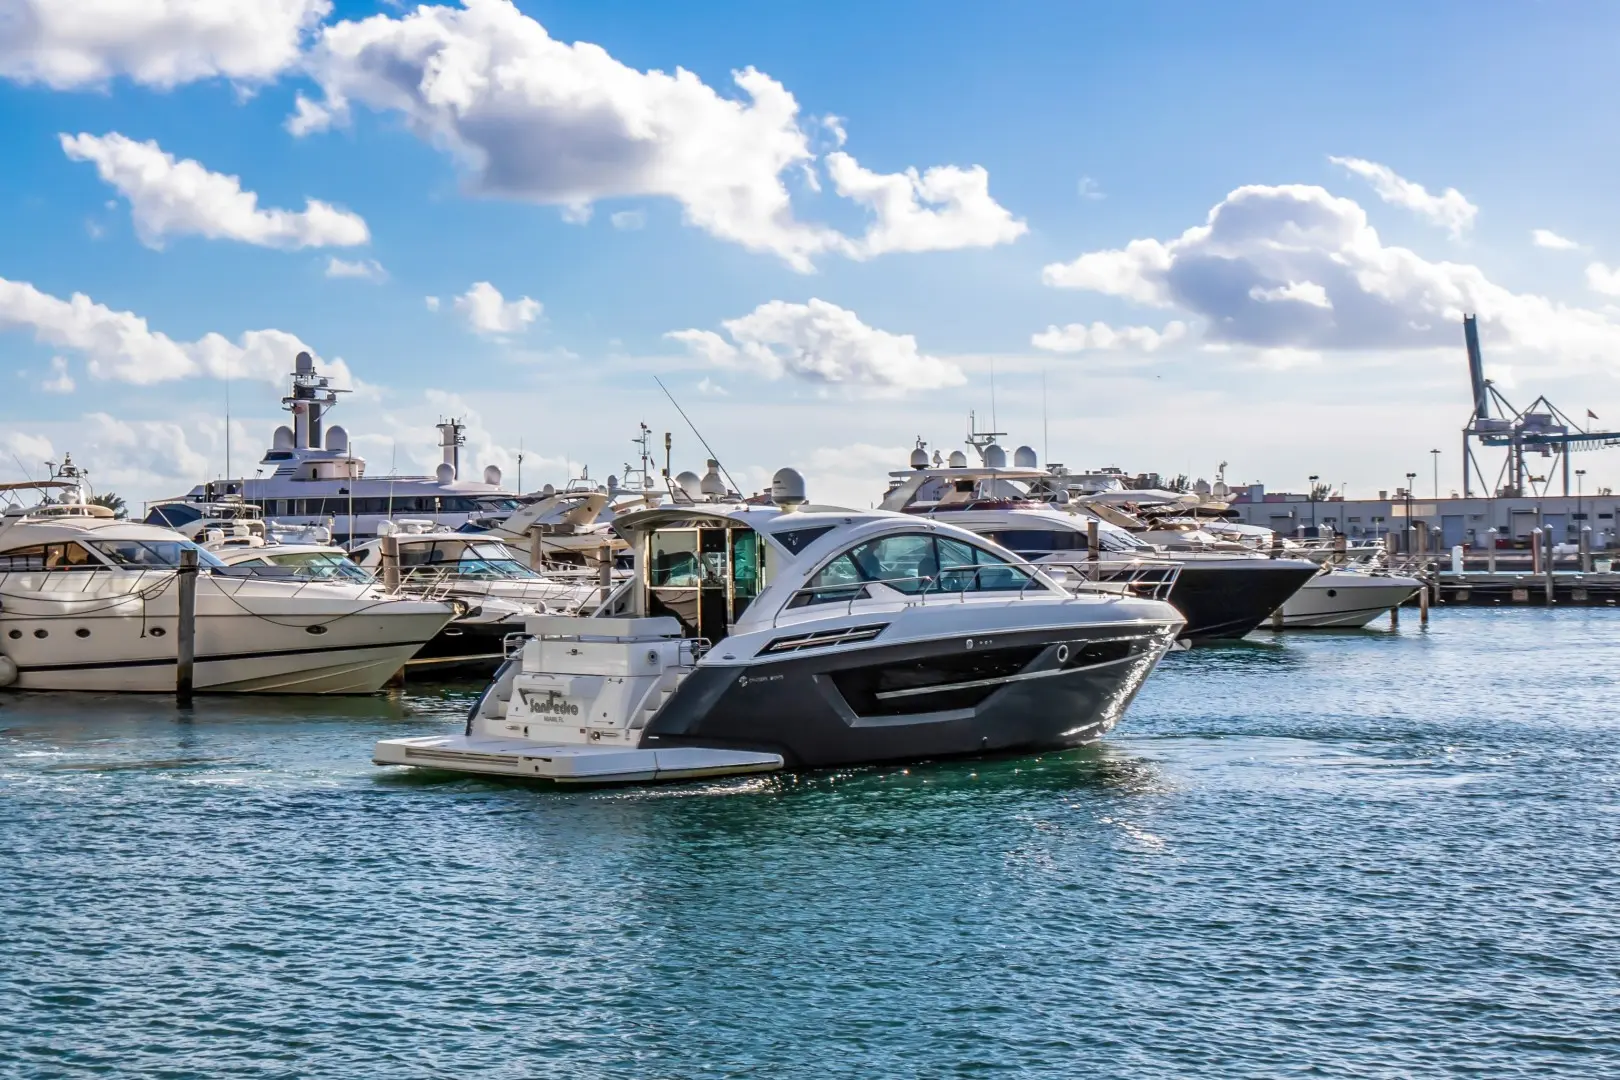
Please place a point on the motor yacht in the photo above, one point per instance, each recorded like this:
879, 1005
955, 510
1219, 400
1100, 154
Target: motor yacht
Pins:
496, 591
760, 637
312, 476
1221, 594
90, 602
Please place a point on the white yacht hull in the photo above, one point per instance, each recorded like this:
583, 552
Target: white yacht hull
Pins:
1344, 600
120, 634
570, 763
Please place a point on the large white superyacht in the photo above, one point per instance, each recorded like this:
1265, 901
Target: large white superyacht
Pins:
316, 478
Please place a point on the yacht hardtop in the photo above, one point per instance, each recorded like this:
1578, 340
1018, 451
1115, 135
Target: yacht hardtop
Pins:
758, 637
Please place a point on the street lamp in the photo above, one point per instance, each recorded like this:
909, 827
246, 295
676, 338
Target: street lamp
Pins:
1435, 454
1580, 515
1411, 529
1313, 479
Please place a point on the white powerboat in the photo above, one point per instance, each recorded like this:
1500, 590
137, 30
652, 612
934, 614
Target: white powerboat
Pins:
755, 638
90, 602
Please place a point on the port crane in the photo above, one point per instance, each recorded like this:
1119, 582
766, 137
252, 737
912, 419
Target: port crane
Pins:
1542, 429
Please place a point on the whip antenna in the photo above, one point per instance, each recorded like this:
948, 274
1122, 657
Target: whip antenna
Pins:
712, 455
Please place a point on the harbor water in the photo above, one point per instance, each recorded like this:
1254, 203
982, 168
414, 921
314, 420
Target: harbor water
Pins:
1368, 854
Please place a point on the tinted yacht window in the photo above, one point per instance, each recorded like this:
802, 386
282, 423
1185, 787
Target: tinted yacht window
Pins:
796, 540
913, 564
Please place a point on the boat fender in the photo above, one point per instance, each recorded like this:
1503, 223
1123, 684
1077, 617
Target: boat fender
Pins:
8, 671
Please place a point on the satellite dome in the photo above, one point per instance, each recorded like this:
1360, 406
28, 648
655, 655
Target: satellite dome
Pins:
445, 472
492, 475
304, 364
689, 483
1025, 458
995, 457
548, 490
787, 488
1202, 486
337, 439
711, 484
282, 439
958, 459
919, 458
613, 482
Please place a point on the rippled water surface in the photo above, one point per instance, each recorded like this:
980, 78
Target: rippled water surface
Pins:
1352, 854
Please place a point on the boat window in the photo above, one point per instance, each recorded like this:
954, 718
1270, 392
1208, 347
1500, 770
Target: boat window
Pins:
796, 540
1038, 541
320, 565
65, 556
910, 563
674, 560
151, 554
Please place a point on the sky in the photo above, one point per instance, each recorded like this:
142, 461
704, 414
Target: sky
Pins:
1157, 236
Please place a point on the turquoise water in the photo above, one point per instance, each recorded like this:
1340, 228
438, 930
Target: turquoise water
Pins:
1353, 854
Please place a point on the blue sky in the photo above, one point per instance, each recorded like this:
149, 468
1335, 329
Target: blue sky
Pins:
1313, 331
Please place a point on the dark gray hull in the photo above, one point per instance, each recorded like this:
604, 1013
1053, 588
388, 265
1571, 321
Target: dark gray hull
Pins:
1030, 690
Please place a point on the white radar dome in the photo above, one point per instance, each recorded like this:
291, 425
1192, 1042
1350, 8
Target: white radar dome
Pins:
919, 458
337, 439
711, 484
282, 439
1025, 458
995, 457
958, 459
787, 488
492, 475
548, 490
444, 473
690, 483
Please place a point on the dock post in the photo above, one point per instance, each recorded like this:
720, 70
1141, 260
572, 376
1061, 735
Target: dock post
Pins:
537, 551
1390, 540
1395, 617
1547, 562
1340, 548
1423, 605
389, 558
604, 570
1276, 545
1586, 549
1093, 541
1535, 551
1490, 550
185, 627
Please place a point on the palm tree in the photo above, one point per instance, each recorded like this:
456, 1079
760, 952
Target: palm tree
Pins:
112, 501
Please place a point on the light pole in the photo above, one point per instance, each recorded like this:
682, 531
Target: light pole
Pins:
1411, 529
1580, 515
1435, 454
1313, 479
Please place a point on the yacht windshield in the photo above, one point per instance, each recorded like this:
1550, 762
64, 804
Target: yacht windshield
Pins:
320, 565
152, 554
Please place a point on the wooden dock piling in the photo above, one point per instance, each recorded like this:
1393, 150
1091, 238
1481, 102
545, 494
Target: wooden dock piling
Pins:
185, 636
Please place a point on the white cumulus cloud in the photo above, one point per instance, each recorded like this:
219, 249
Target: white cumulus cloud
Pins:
489, 313
537, 119
821, 343
367, 269
1296, 292
120, 346
170, 197
1261, 241
1603, 279
1450, 209
61, 381
68, 44
942, 209
1546, 238
1078, 337
628, 219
